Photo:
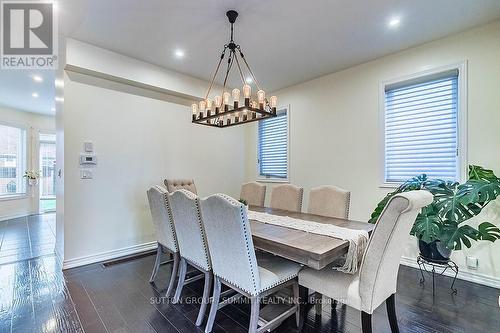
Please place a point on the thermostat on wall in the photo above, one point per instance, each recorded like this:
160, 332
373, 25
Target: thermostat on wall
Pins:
88, 159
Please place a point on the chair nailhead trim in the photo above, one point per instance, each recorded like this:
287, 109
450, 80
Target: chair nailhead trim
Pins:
170, 219
348, 205
195, 198
234, 202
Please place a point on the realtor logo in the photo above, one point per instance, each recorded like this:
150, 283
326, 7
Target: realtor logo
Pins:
29, 39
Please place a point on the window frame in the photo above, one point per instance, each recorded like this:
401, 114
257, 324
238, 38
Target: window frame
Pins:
24, 194
263, 179
461, 114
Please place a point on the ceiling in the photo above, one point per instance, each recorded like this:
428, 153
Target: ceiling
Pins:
286, 42
17, 87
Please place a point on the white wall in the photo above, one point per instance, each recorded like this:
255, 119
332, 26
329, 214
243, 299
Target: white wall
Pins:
14, 207
139, 141
334, 127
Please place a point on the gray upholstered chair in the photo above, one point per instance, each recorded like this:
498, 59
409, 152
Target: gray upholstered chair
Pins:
235, 264
253, 193
376, 279
287, 197
329, 201
180, 184
165, 232
192, 244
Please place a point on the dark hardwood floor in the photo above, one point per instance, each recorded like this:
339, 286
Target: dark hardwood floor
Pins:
27, 237
35, 296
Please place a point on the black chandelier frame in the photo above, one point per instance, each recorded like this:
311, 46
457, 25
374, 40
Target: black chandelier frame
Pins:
245, 113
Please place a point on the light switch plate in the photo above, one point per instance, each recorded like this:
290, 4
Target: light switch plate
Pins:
88, 147
86, 174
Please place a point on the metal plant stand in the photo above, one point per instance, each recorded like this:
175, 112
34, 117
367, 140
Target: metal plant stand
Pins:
430, 268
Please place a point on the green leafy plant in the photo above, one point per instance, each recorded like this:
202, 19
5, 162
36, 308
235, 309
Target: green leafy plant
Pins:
454, 204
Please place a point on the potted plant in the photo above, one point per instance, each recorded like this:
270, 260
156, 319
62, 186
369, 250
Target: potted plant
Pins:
441, 226
32, 176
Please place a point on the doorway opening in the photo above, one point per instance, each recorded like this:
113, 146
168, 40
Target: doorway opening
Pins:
47, 172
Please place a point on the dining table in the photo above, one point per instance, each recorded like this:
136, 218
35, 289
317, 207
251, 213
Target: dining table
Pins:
309, 249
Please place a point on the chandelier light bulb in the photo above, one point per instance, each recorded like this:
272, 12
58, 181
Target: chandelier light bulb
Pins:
273, 101
202, 105
209, 107
217, 102
194, 108
225, 99
247, 91
236, 97
236, 94
261, 97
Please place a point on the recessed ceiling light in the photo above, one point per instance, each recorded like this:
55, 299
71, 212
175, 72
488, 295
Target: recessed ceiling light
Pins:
59, 83
179, 53
59, 99
249, 80
394, 22
37, 78
35, 95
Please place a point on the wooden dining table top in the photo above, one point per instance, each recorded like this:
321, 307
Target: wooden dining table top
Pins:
313, 250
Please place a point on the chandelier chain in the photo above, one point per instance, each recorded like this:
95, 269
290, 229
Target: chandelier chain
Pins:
239, 69
249, 69
216, 71
229, 65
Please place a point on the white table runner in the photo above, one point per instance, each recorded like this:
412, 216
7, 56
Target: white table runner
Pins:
358, 239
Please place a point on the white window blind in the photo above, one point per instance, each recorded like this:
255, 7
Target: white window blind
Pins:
273, 146
421, 125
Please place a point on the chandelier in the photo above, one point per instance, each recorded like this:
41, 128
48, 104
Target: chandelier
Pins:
225, 109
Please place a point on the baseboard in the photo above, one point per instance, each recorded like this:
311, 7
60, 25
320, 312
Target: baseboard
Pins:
14, 216
108, 255
485, 280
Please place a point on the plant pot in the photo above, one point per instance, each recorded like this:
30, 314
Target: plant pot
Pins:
32, 182
434, 251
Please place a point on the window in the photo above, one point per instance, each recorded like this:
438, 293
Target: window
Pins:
12, 160
421, 126
272, 147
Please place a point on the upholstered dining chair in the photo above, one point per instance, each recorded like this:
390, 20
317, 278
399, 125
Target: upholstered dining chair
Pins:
180, 184
236, 265
253, 193
165, 232
287, 197
331, 201
376, 279
192, 244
